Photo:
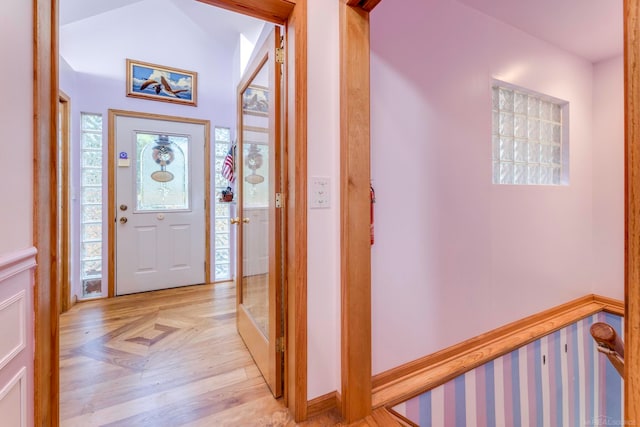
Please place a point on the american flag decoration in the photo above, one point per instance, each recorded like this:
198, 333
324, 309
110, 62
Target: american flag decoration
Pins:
228, 165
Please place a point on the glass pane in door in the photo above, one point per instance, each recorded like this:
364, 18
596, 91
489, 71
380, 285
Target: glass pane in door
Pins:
162, 172
256, 191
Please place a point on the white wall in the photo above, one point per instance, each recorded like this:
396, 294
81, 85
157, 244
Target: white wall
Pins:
456, 256
98, 84
608, 177
323, 232
17, 256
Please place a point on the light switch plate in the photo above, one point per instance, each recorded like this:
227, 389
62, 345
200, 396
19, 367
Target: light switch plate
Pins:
320, 194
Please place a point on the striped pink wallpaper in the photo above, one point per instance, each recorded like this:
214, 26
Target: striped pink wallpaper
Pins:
558, 380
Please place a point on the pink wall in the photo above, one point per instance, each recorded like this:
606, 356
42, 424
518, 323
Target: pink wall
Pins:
16, 127
323, 224
456, 256
608, 177
17, 255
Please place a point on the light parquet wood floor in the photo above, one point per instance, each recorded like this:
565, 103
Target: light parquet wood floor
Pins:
166, 358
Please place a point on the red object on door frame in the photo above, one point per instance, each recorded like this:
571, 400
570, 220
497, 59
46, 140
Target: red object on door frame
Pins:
372, 194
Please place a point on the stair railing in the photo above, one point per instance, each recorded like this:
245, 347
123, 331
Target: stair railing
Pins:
609, 343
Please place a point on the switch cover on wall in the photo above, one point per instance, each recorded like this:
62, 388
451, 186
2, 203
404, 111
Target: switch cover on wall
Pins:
319, 195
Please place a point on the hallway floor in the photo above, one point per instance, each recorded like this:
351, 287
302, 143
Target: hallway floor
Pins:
164, 358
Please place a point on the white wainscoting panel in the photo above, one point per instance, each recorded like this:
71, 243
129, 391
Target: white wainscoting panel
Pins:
16, 337
13, 338
13, 401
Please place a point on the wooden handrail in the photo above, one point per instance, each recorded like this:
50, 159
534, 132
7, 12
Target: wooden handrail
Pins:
411, 379
610, 344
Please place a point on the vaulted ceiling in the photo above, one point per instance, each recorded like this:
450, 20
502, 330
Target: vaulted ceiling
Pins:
214, 21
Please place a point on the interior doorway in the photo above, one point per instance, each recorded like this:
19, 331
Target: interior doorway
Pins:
118, 186
216, 44
294, 15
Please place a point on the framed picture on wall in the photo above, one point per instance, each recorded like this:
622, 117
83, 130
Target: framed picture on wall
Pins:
255, 100
160, 83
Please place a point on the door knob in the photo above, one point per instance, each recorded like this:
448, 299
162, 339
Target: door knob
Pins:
123, 220
245, 220
235, 220
123, 207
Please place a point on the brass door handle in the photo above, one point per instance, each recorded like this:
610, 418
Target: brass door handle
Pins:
245, 220
235, 220
123, 220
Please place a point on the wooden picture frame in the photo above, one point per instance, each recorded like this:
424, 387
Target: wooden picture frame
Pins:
160, 83
255, 101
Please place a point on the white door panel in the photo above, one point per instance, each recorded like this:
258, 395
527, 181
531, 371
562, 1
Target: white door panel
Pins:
160, 204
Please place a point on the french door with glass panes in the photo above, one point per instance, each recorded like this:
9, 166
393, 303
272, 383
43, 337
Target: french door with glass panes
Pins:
259, 261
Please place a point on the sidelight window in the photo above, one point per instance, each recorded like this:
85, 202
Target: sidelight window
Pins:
222, 233
91, 205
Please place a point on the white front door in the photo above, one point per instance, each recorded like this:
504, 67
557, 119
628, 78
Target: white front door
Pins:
159, 203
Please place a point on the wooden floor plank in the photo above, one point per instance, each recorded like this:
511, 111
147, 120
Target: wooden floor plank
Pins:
166, 358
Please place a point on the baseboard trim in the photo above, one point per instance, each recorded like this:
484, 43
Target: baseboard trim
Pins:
411, 379
402, 419
324, 403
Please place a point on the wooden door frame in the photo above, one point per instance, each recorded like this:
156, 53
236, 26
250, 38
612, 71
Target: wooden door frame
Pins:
111, 197
632, 209
64, 264
355, 245
293, 15
355, 179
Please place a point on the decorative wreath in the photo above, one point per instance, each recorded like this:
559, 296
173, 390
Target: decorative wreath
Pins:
162, 155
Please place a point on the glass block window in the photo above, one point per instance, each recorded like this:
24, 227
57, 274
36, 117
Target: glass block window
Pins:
91, 205
529, 137
222, 231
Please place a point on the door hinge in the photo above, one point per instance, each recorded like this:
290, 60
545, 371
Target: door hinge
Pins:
280, 55
280, 345
279, 200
